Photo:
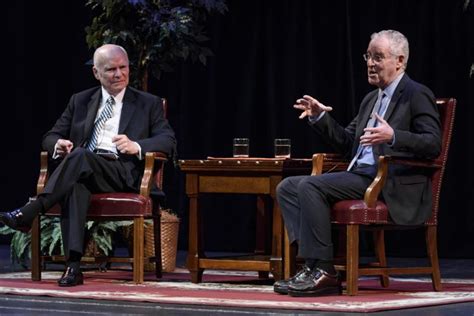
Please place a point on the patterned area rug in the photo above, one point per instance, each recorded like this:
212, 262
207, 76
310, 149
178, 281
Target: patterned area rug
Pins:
237, 289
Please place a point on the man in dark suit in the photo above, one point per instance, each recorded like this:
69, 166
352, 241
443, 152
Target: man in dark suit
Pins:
399, 118
100, 141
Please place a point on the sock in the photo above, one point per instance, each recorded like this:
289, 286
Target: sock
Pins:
31, 209
74, 260
310, 263
326, 265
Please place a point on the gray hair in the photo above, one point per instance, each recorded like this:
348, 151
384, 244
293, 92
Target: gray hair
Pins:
398, 43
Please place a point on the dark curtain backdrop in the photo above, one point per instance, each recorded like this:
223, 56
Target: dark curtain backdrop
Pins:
267, 54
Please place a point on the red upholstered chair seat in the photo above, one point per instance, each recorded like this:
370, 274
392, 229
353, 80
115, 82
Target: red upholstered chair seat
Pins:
115, 205
357, 212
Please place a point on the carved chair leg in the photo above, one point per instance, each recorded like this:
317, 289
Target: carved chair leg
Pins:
35, 249
157, 241
138, 249
379, 245
352, 259
432, 249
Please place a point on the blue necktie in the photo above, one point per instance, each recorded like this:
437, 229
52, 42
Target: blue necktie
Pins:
378, 108
100, 122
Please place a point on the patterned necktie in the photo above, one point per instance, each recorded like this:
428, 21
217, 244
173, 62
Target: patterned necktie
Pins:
100, 122
371, 123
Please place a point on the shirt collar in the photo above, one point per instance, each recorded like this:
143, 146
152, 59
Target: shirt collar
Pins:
118, 98
390, 89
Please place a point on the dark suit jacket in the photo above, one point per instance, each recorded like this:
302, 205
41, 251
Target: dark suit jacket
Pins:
141, 120
413, 115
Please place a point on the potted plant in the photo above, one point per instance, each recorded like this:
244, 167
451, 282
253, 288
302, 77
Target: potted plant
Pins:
100, 233
156, 33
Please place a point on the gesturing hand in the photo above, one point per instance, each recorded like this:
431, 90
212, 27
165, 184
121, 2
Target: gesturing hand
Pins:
383, 133
125, 145
310, 106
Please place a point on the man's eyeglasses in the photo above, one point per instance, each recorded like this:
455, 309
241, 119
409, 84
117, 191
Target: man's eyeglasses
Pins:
375, 58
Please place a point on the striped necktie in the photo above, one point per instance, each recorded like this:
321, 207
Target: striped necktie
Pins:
100, 122
371, 123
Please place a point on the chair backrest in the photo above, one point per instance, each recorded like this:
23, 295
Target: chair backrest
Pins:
158, 177
446, 108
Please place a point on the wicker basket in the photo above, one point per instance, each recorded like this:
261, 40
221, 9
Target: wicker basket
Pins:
92, 250
169, 241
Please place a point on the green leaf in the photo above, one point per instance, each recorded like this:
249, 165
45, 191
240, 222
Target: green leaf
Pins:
89, 225
56, 240
19, 247
104, 242
5, 230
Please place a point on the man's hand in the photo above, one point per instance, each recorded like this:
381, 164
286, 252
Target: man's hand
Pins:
310, 106
383, 133
63, 147
125, 145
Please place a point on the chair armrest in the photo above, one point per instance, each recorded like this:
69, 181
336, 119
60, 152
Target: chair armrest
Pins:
154, 161
326, 162
43, 174
373, 191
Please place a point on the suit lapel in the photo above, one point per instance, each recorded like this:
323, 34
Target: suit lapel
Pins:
396, 96
128, 108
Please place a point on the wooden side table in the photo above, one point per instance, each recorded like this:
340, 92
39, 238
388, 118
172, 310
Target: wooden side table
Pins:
258, 176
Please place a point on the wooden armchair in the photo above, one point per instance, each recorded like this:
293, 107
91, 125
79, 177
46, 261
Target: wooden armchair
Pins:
372, 214
117, 206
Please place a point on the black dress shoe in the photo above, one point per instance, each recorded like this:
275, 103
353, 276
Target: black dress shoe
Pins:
316, 283
71, 277
14, 220
281, 286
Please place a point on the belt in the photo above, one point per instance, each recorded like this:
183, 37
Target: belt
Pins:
107, 154
103, 151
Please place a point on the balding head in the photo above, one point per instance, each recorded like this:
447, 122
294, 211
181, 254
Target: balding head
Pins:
105, 52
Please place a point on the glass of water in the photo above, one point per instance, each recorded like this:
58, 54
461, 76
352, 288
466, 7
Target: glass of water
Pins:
282, 148
241, 148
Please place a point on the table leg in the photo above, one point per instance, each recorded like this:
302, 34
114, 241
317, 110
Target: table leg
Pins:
263, 228
195, 230
276, 260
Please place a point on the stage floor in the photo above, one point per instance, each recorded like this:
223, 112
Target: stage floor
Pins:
39, 305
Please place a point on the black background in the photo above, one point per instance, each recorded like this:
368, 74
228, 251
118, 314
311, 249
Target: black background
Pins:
267, 54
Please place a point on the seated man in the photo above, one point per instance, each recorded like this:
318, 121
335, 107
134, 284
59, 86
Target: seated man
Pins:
114, 119
399, 118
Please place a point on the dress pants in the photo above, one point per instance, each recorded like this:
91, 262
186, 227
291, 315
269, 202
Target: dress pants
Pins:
305, 203
80, 174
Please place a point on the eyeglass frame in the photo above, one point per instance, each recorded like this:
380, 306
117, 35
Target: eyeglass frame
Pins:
376, 59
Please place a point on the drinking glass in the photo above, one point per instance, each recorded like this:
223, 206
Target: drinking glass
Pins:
282, 148
241, 147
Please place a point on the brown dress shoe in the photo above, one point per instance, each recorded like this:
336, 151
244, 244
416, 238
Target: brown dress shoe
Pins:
316, 283
71, 277
281, 287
